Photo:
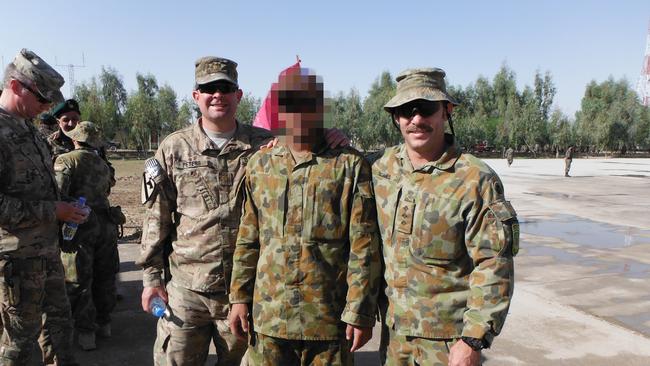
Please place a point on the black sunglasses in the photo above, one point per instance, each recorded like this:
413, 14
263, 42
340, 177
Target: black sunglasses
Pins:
298, 102
221, 87
424, 108
39, 96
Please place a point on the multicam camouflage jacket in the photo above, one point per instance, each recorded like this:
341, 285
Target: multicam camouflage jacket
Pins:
307, 254
198, 206
449, 237
28, 224
83, 172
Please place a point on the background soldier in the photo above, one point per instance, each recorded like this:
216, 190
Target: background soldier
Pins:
568, 158
307, 257
449, 235
90, 259
31, 274
510, 155
47, 124
67, 115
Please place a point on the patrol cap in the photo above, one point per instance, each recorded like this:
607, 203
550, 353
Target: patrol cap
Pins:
47, 80
210, 68
422, 83
63, 107
87, 132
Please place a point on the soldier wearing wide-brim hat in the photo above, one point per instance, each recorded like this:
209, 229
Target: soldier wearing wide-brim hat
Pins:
460, 234
29, 218
86, 132
90, 259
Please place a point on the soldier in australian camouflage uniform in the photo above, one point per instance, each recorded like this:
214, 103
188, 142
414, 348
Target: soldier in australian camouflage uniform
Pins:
90, 259
193, 192
31, 274
307, 257
449, 235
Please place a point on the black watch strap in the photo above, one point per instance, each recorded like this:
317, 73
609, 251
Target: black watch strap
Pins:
475, 343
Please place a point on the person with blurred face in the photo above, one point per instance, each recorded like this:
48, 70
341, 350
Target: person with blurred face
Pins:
306, 263
32, 290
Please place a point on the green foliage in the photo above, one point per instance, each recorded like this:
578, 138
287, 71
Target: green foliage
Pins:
376, 128
611, 117
495, 111
247, 109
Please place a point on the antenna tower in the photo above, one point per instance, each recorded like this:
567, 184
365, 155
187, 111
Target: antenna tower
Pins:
643, 87
70, 81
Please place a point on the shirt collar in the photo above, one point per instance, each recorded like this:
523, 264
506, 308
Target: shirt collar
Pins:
239, 141
445, 162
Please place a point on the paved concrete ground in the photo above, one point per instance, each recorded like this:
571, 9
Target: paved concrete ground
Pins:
583, 273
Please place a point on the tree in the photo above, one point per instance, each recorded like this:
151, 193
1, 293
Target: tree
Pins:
247, 109
167, 109
142, 112
611, 117
347, 114
376, 127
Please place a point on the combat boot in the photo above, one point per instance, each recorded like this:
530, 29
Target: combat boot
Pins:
104, 331
86, 341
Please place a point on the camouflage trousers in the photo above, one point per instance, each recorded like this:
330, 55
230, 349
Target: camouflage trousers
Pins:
196, 319
266, 350
91, 267
567, 165
33, 298
509, 159
399, 350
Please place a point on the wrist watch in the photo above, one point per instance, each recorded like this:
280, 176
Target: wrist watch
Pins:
475, 343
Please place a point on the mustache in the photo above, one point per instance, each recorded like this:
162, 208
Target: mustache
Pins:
420, 128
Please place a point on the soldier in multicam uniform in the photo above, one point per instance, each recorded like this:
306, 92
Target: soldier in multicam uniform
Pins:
32, 290
449, 236
510, 155
307, 257
90, 259
194, 195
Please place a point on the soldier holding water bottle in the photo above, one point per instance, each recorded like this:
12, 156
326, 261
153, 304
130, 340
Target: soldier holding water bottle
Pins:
90, 258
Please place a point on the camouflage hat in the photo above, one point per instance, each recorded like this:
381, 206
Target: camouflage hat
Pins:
87, 132
210, 68
47, 80
425, 83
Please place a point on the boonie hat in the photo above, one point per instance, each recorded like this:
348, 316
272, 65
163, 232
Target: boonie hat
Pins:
87, 132
422, 83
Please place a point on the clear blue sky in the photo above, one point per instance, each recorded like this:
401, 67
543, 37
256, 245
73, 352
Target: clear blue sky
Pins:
348, 42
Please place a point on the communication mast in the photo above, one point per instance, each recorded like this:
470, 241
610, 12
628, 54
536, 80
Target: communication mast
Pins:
643, 87
70, 80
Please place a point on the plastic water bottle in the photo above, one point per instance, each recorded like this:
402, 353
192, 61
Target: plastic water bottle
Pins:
70, 228
158, 307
